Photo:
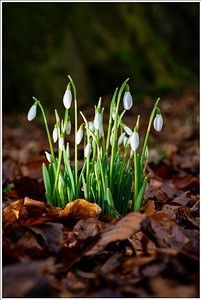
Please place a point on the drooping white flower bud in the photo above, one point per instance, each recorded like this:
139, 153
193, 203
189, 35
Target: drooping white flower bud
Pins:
111, 139
79, 136
134, 140
68, 127
55, 134
100, 133
48, 156
127, 100
128, 130
125, 140
32, 112
67, 98
61, 143
98, 121
91, 126
121, 138
158, 122
87, 150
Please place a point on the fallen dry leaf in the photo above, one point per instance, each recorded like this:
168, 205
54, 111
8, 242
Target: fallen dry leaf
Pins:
164, 231
122, 230
80, 208
28, 212
184, 213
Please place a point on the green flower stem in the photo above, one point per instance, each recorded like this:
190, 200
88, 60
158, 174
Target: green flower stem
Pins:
103, 133
148, 130
138, 200
46, 127
112, 105
95, 145
114, 146
76, 127
136, 179
57, 173
65, 120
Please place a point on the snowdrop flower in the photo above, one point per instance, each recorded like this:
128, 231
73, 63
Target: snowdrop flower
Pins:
32, 112
55, 134
68, 127
121, 138
134, 140
87, 150
67, 98
61, 142
111, 139
79, 135
48, 156
98, 121
127, 130
100, 133
158, 121
127, 100
91, 126
125, 140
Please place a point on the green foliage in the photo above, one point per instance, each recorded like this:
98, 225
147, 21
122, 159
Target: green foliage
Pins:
113, 171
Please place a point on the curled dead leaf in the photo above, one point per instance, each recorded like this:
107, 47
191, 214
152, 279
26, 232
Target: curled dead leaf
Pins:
80, 208
164, 231
184, 213
28, 212
122, 230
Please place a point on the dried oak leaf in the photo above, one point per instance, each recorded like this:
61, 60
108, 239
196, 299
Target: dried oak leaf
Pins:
122, 230
26, 212
80, 208
29, 212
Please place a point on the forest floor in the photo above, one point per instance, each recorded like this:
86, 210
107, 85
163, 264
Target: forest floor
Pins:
79, 252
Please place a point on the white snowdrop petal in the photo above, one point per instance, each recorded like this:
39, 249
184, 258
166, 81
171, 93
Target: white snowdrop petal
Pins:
61, 143
128, 130
68, 127
55, 134
158, 122
32, 112
48, 156
121, 138
98, 121
79, 136
67, 99
134, 141
91, 126
127, 100
87, 150
125, 140
111, 139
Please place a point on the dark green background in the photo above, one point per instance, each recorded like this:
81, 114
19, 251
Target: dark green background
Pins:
155, 44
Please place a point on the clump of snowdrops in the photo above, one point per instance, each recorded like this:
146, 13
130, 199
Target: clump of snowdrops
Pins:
113, 170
